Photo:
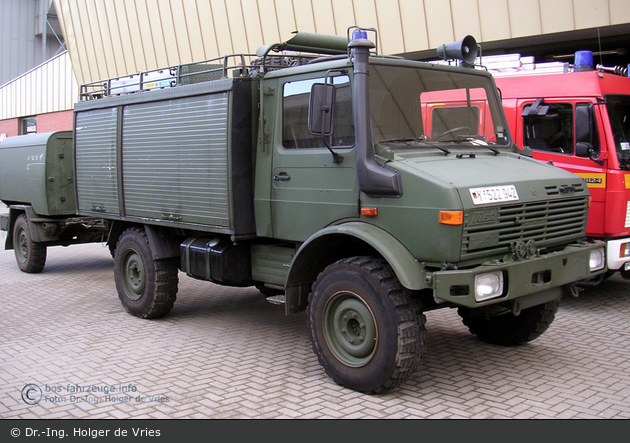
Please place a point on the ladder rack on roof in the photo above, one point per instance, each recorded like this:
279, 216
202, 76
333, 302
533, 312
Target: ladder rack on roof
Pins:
514, 64
170, 77
237, 65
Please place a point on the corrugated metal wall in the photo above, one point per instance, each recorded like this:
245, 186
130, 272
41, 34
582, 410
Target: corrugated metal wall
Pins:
50, 87
21, 39
109, 38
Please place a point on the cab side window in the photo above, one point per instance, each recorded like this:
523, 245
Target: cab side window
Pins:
295, 106
549, 127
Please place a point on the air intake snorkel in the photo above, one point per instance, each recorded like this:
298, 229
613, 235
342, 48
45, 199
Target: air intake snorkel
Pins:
375, 180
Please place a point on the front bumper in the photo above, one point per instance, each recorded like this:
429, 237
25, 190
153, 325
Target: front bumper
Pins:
521, 278
613, 261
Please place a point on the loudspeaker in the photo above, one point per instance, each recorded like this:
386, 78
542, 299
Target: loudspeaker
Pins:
464, 49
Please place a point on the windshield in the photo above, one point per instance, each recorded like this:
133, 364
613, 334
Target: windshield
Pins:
618, 107
410, 105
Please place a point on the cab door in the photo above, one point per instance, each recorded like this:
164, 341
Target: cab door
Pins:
309, 190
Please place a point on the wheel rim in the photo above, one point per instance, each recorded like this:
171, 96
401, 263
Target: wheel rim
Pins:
133, 275
21, 247
350, 329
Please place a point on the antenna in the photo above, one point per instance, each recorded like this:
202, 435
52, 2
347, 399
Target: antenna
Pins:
599, 40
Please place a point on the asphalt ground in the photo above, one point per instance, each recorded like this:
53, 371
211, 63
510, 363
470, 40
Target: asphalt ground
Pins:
226, 353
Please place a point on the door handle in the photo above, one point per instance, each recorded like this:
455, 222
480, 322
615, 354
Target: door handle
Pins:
282, 177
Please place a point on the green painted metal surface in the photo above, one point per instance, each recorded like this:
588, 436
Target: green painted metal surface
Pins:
38, 170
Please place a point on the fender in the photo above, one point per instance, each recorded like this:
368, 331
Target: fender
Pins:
14, 212
330, 244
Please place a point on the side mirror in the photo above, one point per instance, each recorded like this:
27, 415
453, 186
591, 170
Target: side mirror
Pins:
584, 132
321, 109
584, 124
584, 149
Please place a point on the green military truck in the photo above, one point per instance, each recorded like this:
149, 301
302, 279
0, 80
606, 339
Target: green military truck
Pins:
312, 172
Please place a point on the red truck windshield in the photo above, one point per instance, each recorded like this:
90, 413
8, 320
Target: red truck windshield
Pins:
618, 107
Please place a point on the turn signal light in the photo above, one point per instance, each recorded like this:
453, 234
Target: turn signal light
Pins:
369, 212
451, 217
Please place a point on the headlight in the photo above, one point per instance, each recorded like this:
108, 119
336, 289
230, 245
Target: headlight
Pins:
489, 285
598, 259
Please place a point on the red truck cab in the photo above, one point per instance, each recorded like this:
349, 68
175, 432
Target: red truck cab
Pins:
579, 121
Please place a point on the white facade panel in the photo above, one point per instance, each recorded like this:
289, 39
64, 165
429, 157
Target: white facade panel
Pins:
50, 87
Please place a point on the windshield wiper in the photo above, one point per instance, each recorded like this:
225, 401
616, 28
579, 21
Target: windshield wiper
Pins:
421, 140
476, 140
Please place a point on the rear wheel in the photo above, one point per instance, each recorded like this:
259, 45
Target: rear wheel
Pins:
147, 288
30, 255
508, 330
364, 327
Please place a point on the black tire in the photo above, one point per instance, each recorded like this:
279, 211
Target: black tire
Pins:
508, 330
365, 329
147, 288
30, 255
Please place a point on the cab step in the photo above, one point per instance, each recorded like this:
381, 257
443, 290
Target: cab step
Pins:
277, 299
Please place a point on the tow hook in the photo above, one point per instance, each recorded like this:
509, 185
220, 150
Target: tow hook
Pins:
573, 290
516, 308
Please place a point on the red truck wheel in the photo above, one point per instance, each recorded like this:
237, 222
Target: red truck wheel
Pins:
147, 288
364, 326
30, 255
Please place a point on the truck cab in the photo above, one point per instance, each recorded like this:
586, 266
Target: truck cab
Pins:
579, 120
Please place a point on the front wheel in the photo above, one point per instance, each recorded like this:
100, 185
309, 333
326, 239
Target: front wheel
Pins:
364, 327
510, 330
147, 288
29, 255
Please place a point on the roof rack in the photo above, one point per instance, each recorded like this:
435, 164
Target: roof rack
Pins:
236, 65
169, 77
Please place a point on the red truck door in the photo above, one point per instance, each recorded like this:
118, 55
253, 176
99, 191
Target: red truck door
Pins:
550, 129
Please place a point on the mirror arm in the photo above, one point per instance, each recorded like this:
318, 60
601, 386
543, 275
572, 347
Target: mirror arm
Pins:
336, 157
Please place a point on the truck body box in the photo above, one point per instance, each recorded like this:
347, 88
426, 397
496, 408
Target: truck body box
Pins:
181, 157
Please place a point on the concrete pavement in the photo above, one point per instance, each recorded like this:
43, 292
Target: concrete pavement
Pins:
227, 353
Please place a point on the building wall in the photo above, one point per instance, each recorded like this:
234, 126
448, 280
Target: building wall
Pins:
50, 87
55, 121
21, 45
109, 38
50, 122
9, 128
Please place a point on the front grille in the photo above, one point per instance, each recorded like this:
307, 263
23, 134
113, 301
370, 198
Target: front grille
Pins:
494, 230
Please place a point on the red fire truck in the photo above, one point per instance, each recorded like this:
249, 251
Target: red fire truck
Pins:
578, 118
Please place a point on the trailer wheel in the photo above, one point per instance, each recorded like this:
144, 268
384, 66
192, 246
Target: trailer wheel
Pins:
365, 329
30, 255
508, 330
147, 288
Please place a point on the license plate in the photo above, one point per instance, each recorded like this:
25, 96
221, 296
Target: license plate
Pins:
493, 194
